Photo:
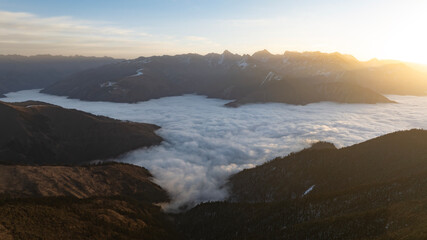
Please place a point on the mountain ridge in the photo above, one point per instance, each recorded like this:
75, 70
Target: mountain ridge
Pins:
240, 78
40, 133
372, 190
19, 72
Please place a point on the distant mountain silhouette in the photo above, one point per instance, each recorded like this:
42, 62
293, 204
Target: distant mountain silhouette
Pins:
41, 133
294, 78
21, 72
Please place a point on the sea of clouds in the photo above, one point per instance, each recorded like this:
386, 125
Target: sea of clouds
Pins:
206, 142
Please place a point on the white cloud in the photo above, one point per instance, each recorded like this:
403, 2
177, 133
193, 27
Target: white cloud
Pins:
206, 142
28, 34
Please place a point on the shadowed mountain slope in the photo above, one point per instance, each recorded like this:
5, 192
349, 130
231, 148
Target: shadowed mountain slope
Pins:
383, 159
87, 219
40, 133
79, 181
21, 72
373, 190
294, 78
108, 201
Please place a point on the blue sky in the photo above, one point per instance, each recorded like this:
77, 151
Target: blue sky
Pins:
134, 10
130, 28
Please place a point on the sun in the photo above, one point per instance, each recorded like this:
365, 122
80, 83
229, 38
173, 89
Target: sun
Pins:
406, 38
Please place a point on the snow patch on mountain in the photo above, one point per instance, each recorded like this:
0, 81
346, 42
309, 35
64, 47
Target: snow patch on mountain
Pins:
138, 73
308, 190
243, 64
221, 59
322, 73
147, 60
107, 84
271, 76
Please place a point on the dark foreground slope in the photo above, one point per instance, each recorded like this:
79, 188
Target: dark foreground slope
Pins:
79, 181
390, 157
373, 190
294, 78
113, 201
97, 218
40, 133
21, 72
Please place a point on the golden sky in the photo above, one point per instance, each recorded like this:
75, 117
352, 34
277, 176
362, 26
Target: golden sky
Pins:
393, 29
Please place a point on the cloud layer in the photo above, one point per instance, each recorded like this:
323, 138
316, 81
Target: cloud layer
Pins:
206, 142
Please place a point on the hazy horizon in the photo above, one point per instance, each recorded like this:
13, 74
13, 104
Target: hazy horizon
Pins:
416, 65
364, 29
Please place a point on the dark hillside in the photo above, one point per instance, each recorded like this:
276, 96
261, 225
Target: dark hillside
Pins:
108, 201
21, 72
40, 133
373, 190
383, 159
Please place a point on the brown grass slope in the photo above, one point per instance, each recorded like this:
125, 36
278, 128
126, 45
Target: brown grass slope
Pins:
108, 201
79, 181
40, 133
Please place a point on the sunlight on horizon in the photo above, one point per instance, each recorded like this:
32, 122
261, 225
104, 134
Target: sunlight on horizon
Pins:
386, 30
407, 38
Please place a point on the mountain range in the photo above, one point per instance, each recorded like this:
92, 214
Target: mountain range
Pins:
292, 77
22, 72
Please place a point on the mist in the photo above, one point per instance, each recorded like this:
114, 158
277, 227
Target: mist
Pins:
206, 142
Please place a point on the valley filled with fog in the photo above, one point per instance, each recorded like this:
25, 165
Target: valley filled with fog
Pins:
205, 142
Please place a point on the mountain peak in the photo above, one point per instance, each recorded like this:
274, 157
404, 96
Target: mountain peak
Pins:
226, 52
263, 53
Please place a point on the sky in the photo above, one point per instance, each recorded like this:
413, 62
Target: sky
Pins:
392, 29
